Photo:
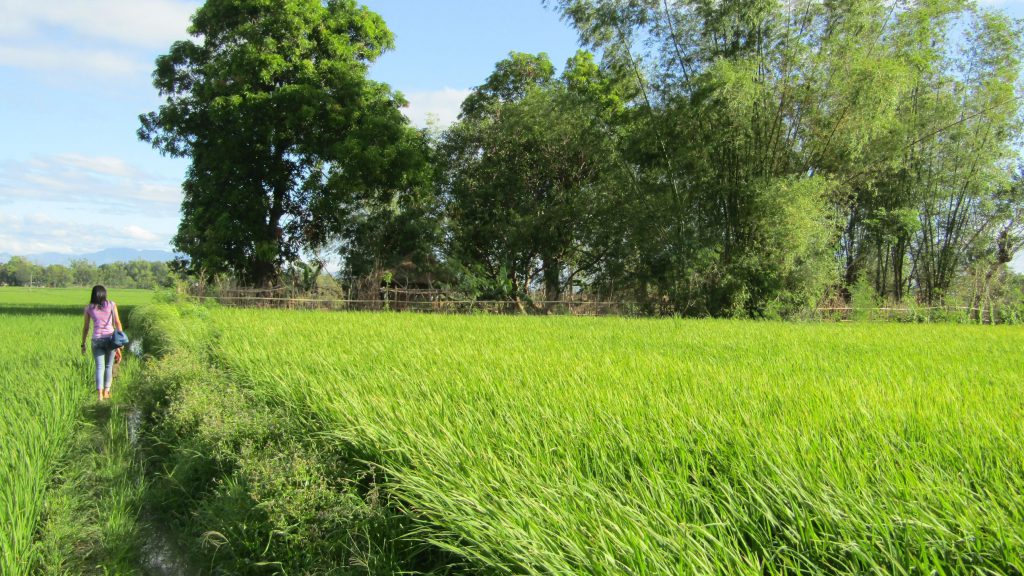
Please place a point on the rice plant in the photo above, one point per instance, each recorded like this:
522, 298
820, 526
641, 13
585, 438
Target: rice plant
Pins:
622, 446
43, 383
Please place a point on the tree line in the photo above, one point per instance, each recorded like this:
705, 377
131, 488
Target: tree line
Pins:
19, 271
748, 158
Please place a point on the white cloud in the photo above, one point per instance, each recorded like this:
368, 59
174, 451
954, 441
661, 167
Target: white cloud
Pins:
108, 165
77, 179
141, 234
35, 233
51, 184
76, 203
164, 193
102, 62
1003, 4
92, 37
144, 23
443, 105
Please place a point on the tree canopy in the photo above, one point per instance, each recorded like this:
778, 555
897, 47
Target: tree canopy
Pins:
795, 147
20, 271
285, 134
750, 158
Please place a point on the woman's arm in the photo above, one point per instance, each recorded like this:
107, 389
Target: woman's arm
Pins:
85, 331
117, 319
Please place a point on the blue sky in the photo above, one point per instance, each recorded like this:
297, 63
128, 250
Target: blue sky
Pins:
75, 75
445, 47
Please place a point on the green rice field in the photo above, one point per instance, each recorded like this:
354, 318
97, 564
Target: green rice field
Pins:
20, 296
358, 443
44, 383
527, 445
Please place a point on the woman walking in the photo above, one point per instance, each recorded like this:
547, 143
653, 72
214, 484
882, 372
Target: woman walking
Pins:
104, 317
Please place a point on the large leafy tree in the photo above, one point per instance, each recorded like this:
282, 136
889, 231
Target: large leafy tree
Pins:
725, 215
775, 136
519, 175
287, 137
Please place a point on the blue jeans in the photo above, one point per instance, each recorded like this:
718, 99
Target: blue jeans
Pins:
104, 356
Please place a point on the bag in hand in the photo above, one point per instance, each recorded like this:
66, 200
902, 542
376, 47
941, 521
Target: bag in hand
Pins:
118, 339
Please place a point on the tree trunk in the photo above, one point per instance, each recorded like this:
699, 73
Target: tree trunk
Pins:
265, 265
552, 282
898, 260
851, 269
1002, 259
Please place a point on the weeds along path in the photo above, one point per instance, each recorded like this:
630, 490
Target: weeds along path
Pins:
311, 442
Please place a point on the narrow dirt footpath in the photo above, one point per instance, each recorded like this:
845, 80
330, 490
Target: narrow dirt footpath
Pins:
95, 520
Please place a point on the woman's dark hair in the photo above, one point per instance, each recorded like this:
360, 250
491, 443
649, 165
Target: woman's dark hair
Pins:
99, 296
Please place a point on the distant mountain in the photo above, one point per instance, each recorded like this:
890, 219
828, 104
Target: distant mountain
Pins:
98, 258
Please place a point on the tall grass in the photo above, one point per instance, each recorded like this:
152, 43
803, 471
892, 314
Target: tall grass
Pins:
43, 382
615, 446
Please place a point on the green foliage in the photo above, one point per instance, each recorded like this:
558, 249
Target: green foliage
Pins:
19, 271
287, 137
886, 126
305, 275
721, 159
512, 80
864, 300
1011, 308
518, 176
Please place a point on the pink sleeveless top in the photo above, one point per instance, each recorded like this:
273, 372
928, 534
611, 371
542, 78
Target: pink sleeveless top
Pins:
102, 319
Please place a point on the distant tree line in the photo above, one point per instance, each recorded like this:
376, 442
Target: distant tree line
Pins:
19, 271
750, 158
